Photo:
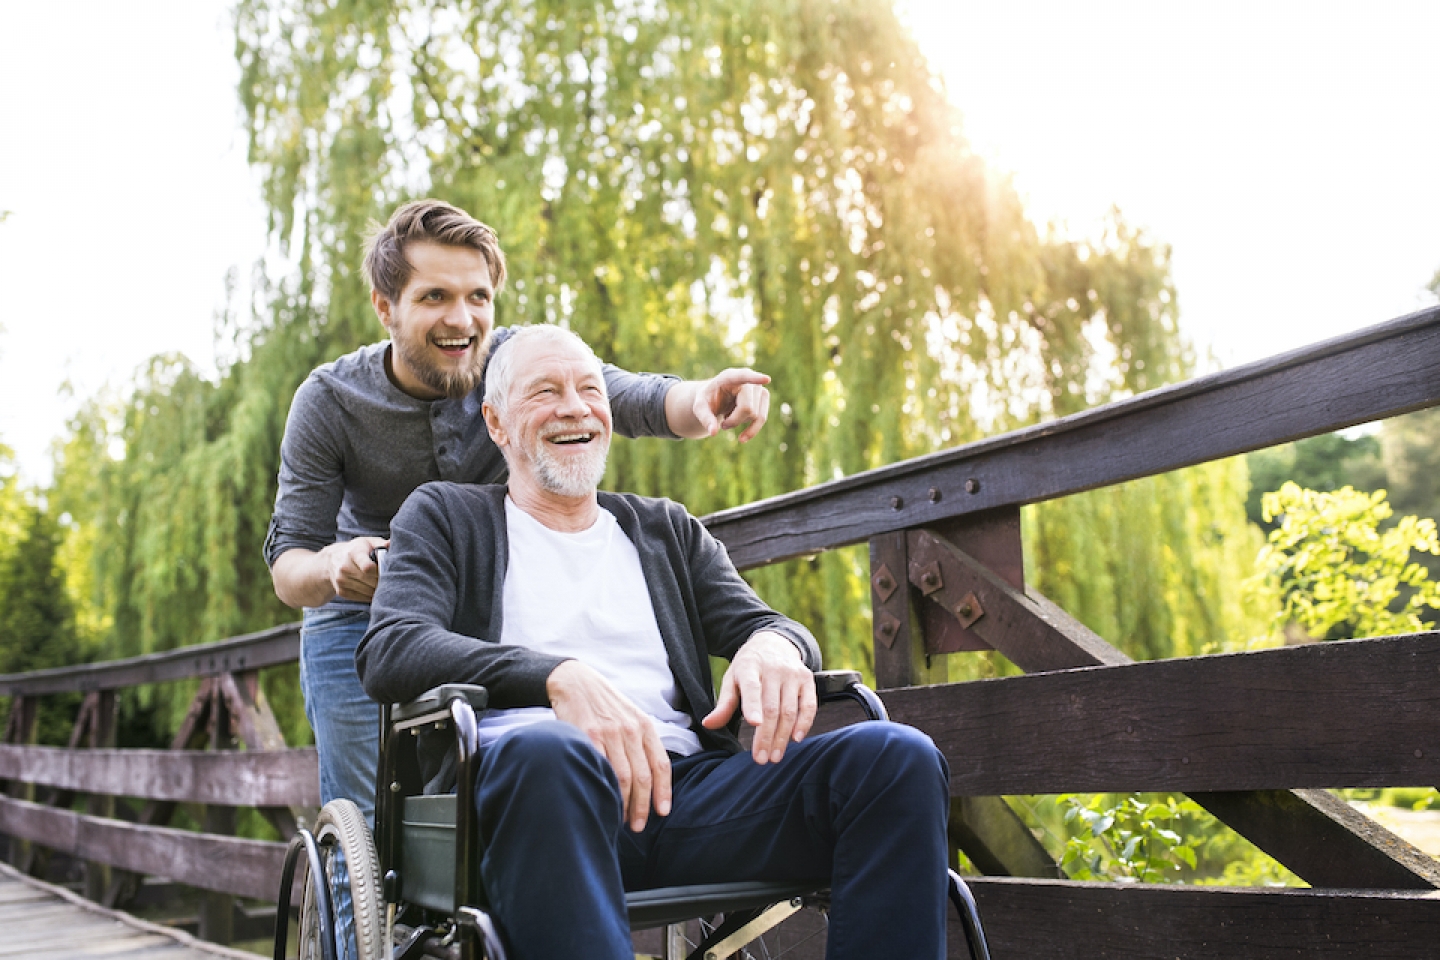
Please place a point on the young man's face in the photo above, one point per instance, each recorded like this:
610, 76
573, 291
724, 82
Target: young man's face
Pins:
556, 428
440, 324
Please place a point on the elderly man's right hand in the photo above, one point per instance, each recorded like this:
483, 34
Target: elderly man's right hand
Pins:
621, 731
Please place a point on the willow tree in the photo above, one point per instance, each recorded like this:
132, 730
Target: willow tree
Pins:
783, 185
780, 184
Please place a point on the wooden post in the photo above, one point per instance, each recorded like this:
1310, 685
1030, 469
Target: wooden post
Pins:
217, 910
899, 632
102, 736
21, 728
913, 637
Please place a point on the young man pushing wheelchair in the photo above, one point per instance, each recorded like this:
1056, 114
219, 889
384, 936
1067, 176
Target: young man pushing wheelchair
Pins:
607, 763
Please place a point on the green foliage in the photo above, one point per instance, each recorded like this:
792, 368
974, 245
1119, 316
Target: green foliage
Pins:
1326, 462
1155, 566
37, 623
1339, 574
1411, 450
1129, 840
1146, 838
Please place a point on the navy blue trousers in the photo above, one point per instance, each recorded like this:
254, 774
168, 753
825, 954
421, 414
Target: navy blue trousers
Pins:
865, 806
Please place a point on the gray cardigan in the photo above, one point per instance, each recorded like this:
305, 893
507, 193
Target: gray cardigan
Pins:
438, 611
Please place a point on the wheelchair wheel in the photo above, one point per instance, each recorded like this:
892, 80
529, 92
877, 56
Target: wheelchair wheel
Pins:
352, 871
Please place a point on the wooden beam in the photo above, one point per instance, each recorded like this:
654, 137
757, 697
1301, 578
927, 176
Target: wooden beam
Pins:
243, 868
1062, 920
1313, 826
1027, 628
992, 538
252, 651
1354, 713
1065, 920
1379, 372
997, 841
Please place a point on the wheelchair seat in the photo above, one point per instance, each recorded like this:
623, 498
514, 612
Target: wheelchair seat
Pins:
427, 862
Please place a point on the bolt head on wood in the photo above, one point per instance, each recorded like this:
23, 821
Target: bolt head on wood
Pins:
883, 583
887, 628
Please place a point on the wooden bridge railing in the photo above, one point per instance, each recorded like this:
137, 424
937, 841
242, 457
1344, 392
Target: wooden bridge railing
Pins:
1256, 738
229, 710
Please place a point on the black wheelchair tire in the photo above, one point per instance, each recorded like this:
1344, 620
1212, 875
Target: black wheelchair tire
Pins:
341, 828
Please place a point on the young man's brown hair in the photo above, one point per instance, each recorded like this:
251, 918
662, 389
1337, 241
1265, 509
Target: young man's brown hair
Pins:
431, 221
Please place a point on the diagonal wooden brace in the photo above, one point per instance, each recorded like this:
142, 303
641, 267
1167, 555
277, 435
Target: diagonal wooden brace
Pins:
1320, 838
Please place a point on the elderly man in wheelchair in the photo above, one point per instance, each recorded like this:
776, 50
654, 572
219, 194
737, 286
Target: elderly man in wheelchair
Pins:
603, 766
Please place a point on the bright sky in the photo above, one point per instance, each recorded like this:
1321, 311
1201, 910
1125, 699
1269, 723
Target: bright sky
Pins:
1285, 150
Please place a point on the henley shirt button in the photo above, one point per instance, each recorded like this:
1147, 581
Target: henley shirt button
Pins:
441, 451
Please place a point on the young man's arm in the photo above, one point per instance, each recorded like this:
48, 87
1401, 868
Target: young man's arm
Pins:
310, 578
308, 568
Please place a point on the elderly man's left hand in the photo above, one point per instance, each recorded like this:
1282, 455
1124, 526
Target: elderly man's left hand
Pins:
732, 398
775, 692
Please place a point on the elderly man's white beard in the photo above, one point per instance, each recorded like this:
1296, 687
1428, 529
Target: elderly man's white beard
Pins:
571, 476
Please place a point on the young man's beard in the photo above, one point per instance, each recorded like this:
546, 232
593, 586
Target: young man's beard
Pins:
455, 382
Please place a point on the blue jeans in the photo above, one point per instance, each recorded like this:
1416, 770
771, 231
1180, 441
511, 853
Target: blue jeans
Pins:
864, 806
346, 722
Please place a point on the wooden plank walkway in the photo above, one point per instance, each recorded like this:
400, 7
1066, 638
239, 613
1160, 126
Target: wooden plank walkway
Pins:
40, 921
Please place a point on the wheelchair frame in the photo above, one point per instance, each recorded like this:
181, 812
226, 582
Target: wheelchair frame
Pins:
426, 859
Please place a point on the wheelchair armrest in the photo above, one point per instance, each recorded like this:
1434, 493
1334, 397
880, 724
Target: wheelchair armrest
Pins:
832, 685
434, 704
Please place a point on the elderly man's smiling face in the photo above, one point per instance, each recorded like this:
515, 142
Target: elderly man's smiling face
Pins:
555, 426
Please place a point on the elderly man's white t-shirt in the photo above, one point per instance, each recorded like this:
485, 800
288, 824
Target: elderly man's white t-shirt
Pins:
583, 595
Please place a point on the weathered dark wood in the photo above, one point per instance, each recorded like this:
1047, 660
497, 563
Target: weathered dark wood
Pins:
900, 659
1061, 920
1028, 629
1356, 713
20, 728
997, 841
250, 713
1312, 826
253, 651
101, 735
908, 653
42, 921
993, 539
192, 735
1382, 371
258, 729
1038, 635
244, 868
217, 909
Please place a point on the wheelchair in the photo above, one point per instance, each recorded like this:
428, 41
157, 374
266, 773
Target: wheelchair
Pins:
415, 890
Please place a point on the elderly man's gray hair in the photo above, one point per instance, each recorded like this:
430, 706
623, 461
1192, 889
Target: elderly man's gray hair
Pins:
500, 371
